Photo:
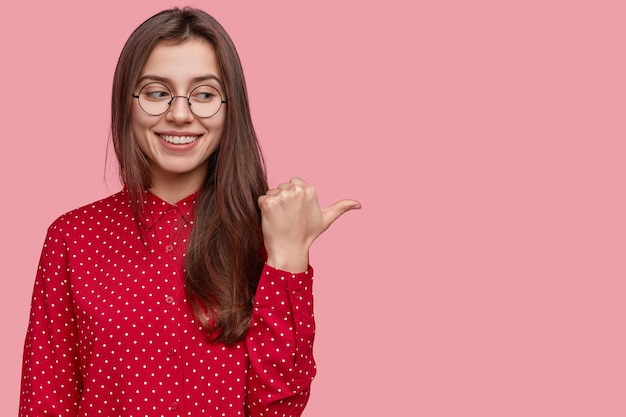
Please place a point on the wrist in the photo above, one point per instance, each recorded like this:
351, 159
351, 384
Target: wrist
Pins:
293, 262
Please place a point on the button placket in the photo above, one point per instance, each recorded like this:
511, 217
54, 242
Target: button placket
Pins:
171, 238
165, 226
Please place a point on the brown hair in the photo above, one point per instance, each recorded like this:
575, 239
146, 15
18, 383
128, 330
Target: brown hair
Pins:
224, 256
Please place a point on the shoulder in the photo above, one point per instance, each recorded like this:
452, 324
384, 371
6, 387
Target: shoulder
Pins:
114, 209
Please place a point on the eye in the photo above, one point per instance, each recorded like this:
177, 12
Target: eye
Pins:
155, 92
204, 94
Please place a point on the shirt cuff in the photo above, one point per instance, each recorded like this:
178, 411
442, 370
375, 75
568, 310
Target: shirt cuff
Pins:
279, 289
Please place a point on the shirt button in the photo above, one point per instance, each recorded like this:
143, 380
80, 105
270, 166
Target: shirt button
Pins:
173, 406
169, 299
172, 210
169, 248
171, 351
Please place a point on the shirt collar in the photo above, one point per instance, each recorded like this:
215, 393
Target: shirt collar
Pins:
154, 208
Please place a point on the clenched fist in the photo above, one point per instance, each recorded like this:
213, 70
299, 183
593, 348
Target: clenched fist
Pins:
292, 219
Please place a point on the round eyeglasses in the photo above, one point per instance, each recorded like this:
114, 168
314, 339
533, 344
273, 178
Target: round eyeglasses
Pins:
155, 99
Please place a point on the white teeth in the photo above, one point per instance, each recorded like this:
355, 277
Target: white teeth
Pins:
179, 140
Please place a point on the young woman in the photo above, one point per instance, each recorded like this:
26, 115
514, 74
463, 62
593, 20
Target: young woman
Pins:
189, 291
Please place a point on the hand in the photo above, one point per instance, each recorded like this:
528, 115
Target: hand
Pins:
292, 219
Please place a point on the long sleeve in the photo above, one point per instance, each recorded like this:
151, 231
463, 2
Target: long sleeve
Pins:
280, 344
51, 384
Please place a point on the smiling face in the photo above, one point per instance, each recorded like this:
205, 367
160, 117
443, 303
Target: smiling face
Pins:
178, 143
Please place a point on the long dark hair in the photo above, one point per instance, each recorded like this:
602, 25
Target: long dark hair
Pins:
224, 256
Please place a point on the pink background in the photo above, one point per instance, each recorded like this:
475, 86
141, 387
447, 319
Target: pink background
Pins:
484, 275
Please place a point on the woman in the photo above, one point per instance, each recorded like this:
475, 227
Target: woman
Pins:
189, 291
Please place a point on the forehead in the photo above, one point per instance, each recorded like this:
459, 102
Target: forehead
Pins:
182, 61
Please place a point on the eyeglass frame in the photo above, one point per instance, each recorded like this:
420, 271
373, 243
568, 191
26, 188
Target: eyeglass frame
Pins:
188, 97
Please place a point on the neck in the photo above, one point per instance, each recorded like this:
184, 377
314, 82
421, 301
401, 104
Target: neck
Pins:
173, 188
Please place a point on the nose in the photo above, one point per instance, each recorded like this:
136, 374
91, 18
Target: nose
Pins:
180, 110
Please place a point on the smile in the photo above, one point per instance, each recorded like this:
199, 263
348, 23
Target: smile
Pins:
179, 140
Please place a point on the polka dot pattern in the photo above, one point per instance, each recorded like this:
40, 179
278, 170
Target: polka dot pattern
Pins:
112, 334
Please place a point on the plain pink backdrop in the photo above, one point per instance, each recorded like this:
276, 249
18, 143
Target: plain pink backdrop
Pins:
485, 275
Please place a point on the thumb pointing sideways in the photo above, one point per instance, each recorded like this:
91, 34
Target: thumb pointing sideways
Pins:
333, 212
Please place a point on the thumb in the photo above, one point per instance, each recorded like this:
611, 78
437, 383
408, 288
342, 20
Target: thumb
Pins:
332, 213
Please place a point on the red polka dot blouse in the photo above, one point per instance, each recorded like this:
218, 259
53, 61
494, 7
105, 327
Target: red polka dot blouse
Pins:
112, 334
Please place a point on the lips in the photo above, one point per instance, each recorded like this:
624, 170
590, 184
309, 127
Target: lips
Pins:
179, 139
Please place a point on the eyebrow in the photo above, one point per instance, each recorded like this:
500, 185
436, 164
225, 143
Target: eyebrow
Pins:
165, 80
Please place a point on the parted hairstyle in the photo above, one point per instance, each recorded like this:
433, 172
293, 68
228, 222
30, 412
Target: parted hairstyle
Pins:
225, 253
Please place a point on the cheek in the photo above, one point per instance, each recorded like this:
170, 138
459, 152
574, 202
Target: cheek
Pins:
215, 126
140, 126
220, 122
138, 120
141, 141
